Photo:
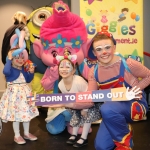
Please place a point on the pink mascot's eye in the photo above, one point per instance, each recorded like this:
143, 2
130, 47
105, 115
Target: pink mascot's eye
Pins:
54, 53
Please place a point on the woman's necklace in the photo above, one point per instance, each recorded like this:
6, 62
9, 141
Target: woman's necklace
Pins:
68, 86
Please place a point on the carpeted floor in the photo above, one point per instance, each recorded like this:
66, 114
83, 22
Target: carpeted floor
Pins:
47, 141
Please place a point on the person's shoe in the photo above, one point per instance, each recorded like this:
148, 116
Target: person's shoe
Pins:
30, 137
71, 141
127, 142
85, 142
19, 140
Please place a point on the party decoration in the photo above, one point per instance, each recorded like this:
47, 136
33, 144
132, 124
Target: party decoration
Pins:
135, 1
112, 9
90, 1
137, 18
88, 12
18, 40
133, 15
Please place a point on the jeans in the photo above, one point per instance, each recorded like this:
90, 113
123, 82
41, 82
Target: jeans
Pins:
58, 124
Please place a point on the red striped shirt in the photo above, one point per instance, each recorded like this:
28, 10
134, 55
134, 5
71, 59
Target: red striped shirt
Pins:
139, 76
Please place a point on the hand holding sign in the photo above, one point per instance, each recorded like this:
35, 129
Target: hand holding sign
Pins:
67, 100
133, 93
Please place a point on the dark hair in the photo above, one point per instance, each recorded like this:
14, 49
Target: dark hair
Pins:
59, 79
79, 73
12, 49
75, 66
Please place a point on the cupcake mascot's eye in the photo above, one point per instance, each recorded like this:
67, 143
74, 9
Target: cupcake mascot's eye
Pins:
54, 53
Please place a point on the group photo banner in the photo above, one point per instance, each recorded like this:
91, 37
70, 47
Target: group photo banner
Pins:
122, 18
114, 94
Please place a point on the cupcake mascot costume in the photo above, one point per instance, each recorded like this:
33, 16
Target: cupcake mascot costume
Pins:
14, 105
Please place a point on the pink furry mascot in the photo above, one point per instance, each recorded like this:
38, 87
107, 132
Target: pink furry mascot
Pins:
62, 32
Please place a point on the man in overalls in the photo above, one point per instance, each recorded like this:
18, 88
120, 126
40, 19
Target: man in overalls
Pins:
113, 71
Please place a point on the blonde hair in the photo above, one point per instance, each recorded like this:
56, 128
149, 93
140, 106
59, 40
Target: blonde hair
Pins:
20, 17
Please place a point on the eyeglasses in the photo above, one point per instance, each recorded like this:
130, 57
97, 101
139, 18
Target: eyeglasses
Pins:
101, 48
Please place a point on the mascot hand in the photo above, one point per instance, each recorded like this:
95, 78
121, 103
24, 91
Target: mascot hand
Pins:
54, 72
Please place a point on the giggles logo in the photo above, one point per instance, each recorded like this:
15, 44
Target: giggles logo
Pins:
124, 30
